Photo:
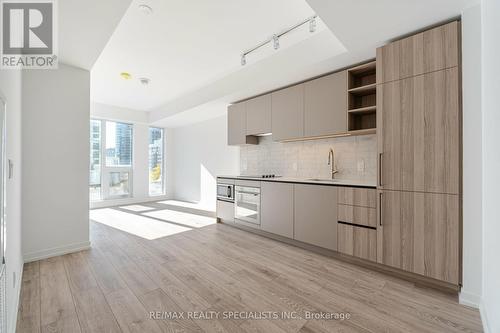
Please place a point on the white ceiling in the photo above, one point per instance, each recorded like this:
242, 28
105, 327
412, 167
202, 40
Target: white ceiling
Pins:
185, 45
190, 49
85, 27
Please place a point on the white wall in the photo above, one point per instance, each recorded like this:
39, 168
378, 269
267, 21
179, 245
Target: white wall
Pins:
200, 153
55, 143
140, 120
472, 154
491, 162
10, 90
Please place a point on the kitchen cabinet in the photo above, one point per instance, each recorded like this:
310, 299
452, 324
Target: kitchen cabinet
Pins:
425, 52
258, 115
365, 216
236, 125
419, 233
288, 113
225, 211
315, 213
357, 241
357, 196
326, 105
277, 208
419, 136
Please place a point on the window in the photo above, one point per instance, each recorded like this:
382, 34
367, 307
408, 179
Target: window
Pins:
95, 160
112, 142
156, 162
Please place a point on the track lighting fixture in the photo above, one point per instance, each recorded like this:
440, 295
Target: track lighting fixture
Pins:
312, 24
275, 39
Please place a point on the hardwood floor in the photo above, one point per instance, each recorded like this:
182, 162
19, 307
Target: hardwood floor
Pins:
217, 269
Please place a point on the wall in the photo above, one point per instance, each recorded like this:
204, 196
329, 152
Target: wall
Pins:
491, 162
472, 154
200, 153
55, 146
309, 159
140, 119
10, 90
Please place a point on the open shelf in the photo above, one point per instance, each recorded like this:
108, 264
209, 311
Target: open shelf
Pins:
366, 89
365, 110
362, 75
362, 99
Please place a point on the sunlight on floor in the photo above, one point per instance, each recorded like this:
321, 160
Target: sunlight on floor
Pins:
187, 219
193, 205
134, 224
137, 208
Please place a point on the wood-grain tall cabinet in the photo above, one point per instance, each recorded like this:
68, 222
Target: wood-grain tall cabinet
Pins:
419, 146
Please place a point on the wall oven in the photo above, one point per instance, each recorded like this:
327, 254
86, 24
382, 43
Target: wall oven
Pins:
225, 192
247, 204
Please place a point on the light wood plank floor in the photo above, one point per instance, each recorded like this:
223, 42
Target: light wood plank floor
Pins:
216, 268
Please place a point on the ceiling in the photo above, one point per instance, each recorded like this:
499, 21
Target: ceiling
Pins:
85, 27
184, 45
191, 49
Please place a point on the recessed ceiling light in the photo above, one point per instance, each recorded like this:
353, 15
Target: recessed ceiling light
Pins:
144, 80
125, 75
145, 9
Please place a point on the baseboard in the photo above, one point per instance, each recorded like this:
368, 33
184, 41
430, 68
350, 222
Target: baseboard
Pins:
12, 325
56, 251
469, 299
484, 318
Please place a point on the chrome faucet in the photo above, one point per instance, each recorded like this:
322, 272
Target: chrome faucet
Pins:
331, 162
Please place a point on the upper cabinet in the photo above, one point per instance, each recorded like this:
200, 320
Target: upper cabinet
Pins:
288, 113
258, 115
425, 52
325, 111
236, 125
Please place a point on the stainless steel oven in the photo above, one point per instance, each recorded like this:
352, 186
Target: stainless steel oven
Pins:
247, 204
225, 192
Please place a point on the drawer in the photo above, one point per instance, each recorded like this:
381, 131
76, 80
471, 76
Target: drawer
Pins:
355, 241
357, 196
366, 216
245, 182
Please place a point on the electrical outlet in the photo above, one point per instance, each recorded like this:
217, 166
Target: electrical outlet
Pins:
361, 165
294, 166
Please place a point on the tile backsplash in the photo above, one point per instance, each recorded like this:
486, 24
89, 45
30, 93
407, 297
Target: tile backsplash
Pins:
356, 158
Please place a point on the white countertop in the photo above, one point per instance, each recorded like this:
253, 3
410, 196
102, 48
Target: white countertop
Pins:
335, 182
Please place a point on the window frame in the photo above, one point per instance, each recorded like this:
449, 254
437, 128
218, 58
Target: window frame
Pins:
163, 164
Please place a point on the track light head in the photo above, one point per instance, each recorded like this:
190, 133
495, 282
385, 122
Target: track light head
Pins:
243, 59
276, 42
312, 24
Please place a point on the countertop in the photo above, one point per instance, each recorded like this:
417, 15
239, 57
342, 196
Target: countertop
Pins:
335, 182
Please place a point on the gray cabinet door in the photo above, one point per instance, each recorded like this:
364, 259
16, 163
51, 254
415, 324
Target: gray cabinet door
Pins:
288, 113
315, 212
325, 100
258, 113
277, 208
236, 124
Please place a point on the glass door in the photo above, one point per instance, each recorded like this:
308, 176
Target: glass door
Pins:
247, 204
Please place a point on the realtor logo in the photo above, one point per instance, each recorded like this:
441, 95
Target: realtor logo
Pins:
28, 34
